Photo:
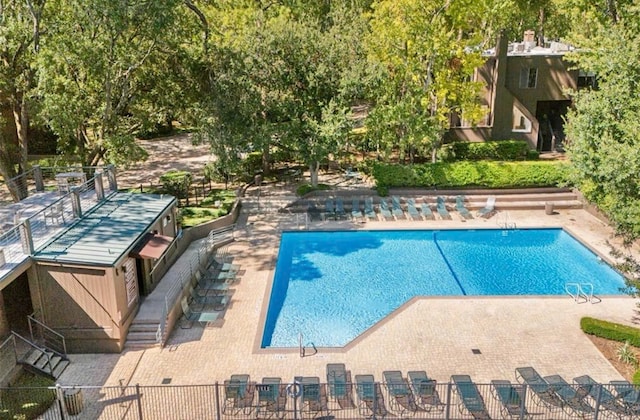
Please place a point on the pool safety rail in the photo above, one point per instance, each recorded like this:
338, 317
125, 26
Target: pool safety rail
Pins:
581, 292
308, 398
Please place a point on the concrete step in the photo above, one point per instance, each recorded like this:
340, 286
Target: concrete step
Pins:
140, 344
137, 327
150, 335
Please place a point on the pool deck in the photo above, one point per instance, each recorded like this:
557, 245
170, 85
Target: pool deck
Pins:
432, 334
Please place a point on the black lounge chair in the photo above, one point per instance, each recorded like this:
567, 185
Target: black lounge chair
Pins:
545, 395
442, 209
272, 398
314, 212
368, 209
370, 399
426, 211
329, 210
425, 390
572, 397
471, 400
460, 207
628, 395
412, 210
601, 395
396, 207
238, 395
314, 397
400, 396
340, 213
510, 398
355, 208
339, 381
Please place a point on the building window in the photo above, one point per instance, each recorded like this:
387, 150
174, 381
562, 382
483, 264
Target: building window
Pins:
166, 221
130, 280
586, 80
521, 124
528, 77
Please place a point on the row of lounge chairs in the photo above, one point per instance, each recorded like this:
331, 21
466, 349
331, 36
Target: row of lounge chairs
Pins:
335, 209
620, 399
417, 395
208, 293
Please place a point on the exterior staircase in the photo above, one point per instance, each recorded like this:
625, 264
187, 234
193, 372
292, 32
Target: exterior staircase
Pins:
142, 335
44, 362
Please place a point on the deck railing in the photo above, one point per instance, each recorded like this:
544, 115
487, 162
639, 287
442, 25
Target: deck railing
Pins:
230, 400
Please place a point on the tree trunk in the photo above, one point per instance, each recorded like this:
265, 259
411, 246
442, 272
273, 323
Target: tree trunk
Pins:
314, 167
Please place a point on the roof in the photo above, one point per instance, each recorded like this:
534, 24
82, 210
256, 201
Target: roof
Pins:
108, 231
524, 49
152, 246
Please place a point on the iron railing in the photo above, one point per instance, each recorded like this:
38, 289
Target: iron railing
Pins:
271, 399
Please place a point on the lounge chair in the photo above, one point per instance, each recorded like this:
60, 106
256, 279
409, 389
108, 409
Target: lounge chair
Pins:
238, 395
489, 208
412, 210
426, 211
340, 213
314, 397
272, 398
202, 317
396, 207
314, 212
355, 208
601, 395
460, 207
370, 399
425, 390
628, 395
573, 399
401, 398
442, 209
339, 381
210, 286
384, 209
329, 209
545, 395
208, 303
471, 401
368, 209
510, 399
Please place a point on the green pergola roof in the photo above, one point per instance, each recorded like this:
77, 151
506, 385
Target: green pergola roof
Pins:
108, 231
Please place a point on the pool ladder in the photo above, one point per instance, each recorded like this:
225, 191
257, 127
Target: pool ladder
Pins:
505, 223
581, 292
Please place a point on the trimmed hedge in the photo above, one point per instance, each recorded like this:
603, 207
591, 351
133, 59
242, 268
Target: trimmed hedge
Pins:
472, 174
489, 150
611, 331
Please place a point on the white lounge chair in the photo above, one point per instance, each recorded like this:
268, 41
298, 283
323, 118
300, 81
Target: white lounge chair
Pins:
489, 209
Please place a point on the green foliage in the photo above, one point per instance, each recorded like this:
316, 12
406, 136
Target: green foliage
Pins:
611, 331
176, 183
29, 402
472, 174
252, 163
627, 355
636, 378
508, 150
306, 188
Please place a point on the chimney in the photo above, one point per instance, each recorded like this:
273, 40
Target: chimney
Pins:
529, 39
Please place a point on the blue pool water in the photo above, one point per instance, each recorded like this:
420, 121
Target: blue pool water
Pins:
332, 286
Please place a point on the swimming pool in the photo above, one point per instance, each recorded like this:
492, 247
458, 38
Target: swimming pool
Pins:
332, 286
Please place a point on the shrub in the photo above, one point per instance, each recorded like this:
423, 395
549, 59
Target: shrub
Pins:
176, 183
33, 398
488, 150
636, 378
306, 188
533, 155
611, 331
252, 164
472, 174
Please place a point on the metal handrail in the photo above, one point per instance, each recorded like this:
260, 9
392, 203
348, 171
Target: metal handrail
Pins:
61, 338
35, 346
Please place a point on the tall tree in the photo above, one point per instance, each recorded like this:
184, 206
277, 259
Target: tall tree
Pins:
603, 127
90, 73
20, 34
425, 52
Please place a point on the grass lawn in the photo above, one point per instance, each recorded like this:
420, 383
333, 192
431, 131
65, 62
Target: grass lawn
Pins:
218, 203
30, 401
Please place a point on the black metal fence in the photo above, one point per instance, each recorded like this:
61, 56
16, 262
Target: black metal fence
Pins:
303, 400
